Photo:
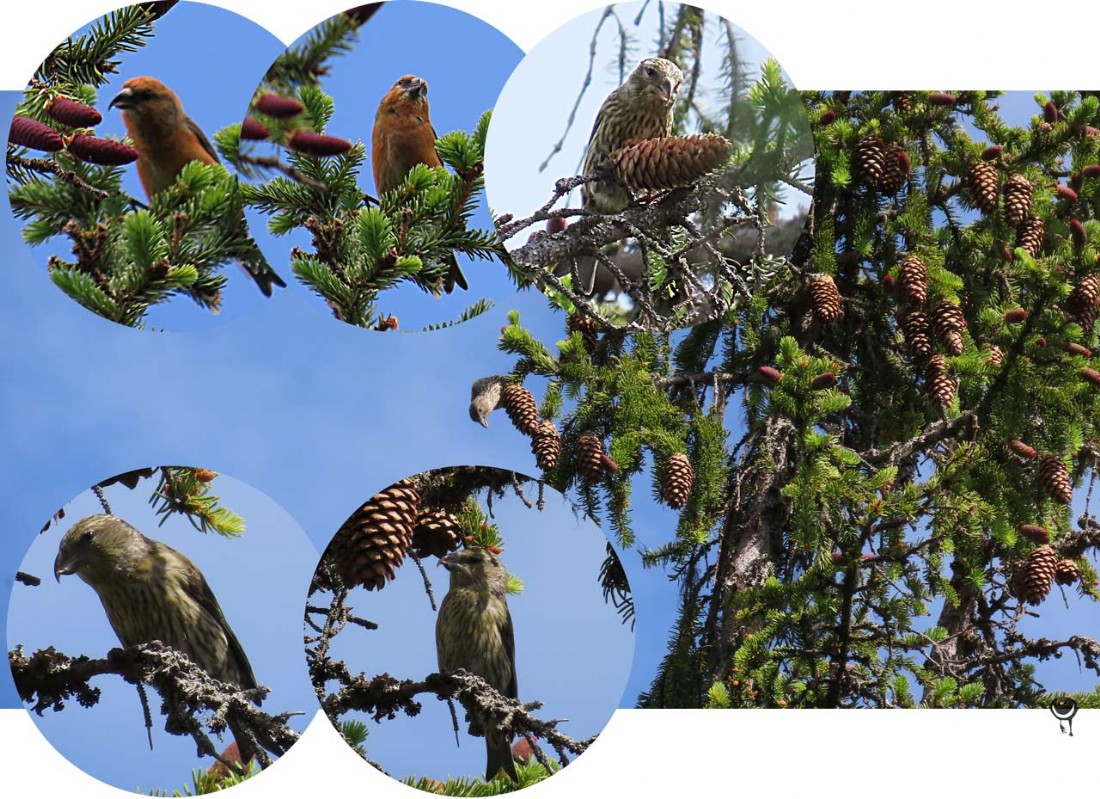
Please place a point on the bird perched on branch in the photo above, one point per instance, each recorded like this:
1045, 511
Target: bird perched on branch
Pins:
474, 632
151, 592
403, 137
639, 109
167, 140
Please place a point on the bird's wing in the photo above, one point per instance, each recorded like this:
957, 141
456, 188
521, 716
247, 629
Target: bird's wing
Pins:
609, 101
508, 636
199, 590
205, 142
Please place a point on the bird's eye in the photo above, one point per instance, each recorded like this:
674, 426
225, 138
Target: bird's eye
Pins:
86, 536
650, 71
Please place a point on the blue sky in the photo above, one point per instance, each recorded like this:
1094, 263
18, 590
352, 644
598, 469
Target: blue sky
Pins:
315, 414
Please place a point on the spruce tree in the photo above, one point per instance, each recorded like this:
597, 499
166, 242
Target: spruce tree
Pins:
878, 442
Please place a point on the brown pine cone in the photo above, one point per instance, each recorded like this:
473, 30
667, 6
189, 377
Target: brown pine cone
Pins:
913, 277
1017, 193
435, 532
590, 460
917, 331
1038, 575
937, 382
671, 162
1083, 302
982, 182
1055, 477
370, 546
546, 445
996, 355
1067, 572
825, 299
871, 160
896, 173
587, 327
520, 405
949, 324
1029, 236
677, 479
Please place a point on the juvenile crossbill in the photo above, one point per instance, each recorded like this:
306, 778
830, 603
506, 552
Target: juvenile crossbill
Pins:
403, 137
151, 592
474, 632
639, 109
167, 140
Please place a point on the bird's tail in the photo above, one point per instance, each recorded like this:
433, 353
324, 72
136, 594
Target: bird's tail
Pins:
255, 265
499, 757
245, 743
454, 277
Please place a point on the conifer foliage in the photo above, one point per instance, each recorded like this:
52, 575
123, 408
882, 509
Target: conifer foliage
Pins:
66, 182
875, 538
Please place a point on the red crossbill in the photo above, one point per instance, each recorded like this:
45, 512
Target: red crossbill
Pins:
404, 137
167, 140
151, 592
474, 632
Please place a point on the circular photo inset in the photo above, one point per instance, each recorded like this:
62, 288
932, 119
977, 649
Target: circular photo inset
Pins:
650, 165
468, 626
369, 183
155, 578
117, 166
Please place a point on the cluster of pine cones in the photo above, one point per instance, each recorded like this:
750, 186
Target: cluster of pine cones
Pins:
370, 546
677, 475
1032, 580
881, 166
947, 323
520, 405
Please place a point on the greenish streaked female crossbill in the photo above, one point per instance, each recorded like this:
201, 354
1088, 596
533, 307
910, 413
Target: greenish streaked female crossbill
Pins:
474, 632
403, 137
151, 592
167, 140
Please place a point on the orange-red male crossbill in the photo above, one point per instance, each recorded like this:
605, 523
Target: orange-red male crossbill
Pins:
404, 137
167, 140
